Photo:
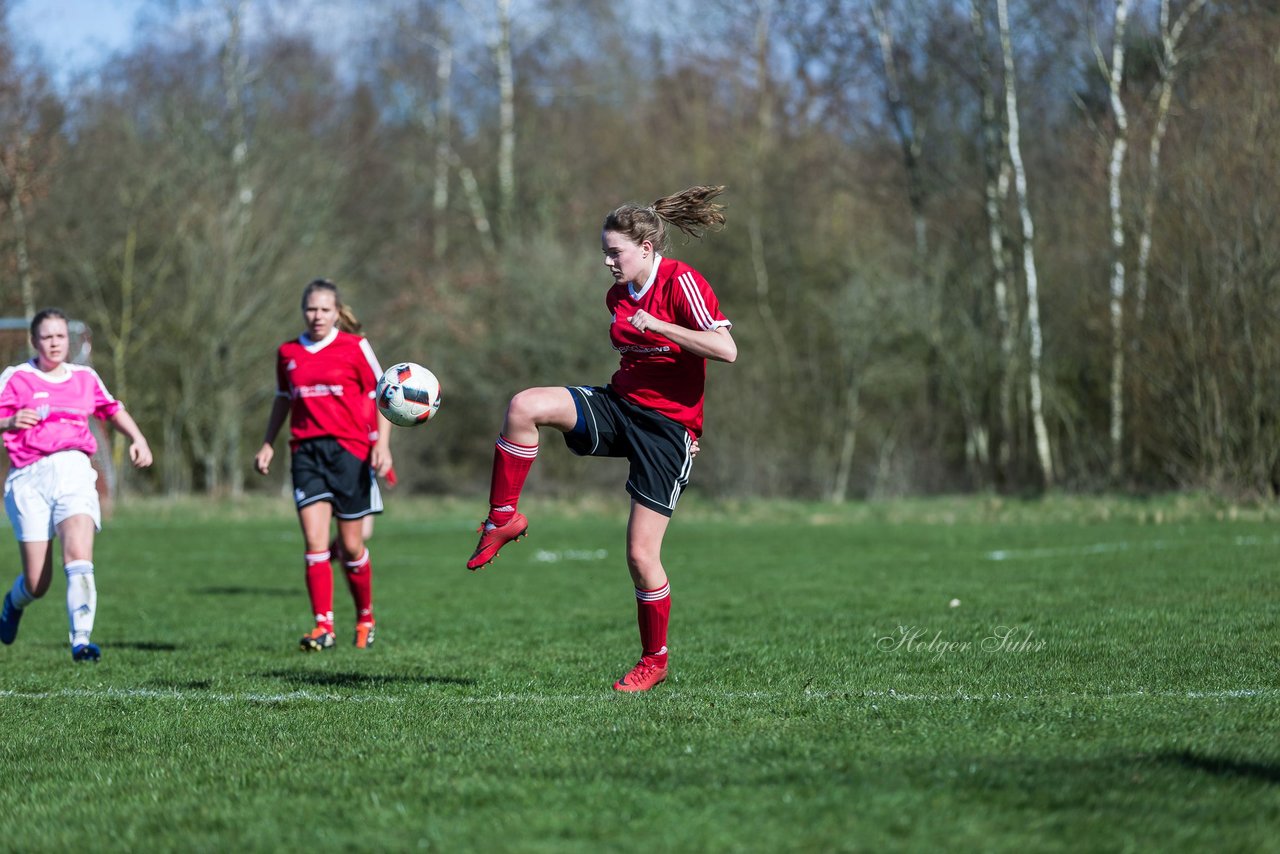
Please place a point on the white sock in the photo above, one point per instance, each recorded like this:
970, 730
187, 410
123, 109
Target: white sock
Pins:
19, 596
82, 600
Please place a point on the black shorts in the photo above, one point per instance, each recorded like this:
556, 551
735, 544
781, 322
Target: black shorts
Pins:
323, 470
658, 447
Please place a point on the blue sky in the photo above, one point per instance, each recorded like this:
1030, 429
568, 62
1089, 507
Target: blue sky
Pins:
73, 34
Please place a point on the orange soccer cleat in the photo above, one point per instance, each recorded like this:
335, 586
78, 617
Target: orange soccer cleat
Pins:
316, 640
642, 677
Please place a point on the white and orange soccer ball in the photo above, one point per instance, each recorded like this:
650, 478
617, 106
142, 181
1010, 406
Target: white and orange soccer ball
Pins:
408, 394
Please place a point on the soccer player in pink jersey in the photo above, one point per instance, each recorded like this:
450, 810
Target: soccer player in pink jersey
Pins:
325, 381
666, 323
45, 406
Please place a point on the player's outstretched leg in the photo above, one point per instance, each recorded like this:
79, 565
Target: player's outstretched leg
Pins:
494, 537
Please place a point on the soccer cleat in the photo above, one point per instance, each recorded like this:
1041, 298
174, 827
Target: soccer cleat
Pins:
86, 652
494, 537
642, 677
364, 635
317, 640
9, 619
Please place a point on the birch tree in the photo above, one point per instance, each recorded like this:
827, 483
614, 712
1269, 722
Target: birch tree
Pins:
1171, 33
1115, 198
506, 119
996, 170
760, 153
1036, 343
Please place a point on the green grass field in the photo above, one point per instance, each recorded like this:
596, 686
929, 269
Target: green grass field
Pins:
825, 694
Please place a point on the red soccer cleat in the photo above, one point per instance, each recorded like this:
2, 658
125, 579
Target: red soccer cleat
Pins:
494, 537
642, 677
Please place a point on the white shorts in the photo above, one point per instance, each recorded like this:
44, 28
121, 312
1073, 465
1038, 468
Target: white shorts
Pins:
40, 496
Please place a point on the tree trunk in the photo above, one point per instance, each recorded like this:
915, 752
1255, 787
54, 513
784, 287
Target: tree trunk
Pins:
471, 188
761, 151
995, 191
507, 122
849, 436
121, 345
1119, 145
225, 459
443, 126
1035, 348
1170, 36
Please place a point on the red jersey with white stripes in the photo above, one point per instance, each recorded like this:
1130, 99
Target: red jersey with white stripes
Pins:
330, 384
654, 371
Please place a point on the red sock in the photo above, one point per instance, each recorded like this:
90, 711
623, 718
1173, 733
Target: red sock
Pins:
653, 609
360, 583
511, 464
320, 588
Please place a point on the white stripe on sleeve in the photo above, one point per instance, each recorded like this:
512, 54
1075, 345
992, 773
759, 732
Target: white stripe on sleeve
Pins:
697, 305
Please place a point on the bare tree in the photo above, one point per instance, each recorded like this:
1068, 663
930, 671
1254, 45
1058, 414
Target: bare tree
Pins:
996, 169
506, 118
1115, 198
443, 127
25, 151
760, 153
15, 165
1171, 33
1036, 345
433, 110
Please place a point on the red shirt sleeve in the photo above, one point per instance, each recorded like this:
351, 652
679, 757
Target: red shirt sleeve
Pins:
695, 302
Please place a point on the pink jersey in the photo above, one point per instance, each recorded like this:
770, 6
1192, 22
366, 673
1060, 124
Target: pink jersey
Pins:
64, 404
330, 384
653, 371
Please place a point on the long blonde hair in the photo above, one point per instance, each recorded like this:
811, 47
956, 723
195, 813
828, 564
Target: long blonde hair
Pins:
693, 211
347, 320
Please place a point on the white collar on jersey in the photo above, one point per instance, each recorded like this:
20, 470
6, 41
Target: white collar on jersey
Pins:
51, 377
653, 277
317, 346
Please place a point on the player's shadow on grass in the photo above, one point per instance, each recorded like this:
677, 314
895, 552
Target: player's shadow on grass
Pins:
246, 590
362, 680
1221, 766
146, 646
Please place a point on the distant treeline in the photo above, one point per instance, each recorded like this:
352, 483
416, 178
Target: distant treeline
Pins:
970, 246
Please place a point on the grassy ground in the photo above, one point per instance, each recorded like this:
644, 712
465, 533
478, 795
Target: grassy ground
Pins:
1108, 680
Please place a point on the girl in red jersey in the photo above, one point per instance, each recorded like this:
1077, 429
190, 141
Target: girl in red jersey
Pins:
325, 382
666, 323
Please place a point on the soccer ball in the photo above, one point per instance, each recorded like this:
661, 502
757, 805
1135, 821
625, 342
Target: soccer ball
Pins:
408, 394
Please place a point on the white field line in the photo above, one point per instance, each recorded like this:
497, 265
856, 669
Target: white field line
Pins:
890, 695
192, 696
1108, 548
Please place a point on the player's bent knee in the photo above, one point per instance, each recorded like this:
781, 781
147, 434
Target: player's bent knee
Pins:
536, 407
